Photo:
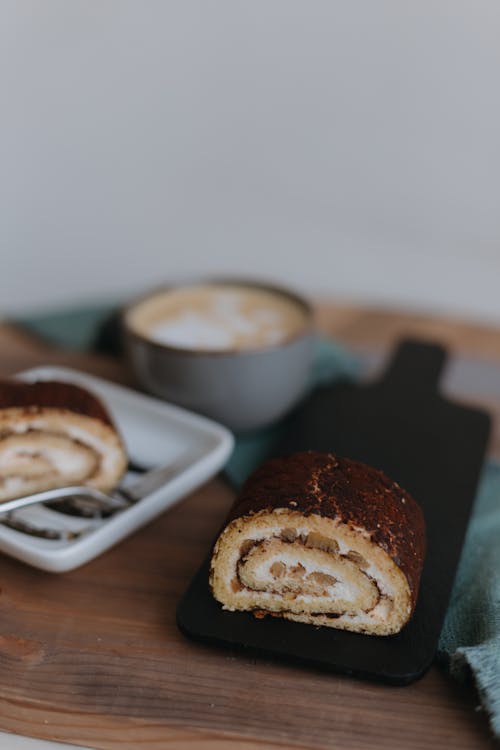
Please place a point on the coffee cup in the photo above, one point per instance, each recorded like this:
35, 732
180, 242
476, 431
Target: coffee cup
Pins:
235, 350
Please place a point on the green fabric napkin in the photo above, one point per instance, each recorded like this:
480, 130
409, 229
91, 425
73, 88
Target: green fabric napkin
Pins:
73, 328
470, 639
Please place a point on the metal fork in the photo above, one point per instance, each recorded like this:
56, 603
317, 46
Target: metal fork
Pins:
119, 499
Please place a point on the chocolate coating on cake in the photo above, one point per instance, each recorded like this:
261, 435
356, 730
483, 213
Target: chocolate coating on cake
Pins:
50, 394
351, 492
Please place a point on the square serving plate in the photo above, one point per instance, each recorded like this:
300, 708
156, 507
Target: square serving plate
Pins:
155, 434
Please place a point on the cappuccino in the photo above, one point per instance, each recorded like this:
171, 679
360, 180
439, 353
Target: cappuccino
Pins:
218, 317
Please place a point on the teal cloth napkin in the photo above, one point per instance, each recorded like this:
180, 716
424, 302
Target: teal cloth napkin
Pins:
470, 640
73, 328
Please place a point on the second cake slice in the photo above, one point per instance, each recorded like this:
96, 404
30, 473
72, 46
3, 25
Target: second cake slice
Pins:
55, 434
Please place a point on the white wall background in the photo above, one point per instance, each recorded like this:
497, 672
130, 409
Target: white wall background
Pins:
350, 148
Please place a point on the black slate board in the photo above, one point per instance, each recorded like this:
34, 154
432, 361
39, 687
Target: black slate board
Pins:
432, 447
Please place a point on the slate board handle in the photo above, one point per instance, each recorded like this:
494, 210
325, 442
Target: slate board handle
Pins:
417, 365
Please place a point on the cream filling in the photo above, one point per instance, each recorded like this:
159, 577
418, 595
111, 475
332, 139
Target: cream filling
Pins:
29, 458
30, 461
109, 454
306, 577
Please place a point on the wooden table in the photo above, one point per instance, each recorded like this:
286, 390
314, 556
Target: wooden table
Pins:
94, 656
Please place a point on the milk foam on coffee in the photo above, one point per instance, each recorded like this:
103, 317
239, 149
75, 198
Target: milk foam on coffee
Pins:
218, 317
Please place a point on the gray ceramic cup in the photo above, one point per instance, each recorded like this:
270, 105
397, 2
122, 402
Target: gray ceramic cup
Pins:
245, 389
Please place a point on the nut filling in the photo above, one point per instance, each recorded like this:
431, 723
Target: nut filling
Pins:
294, 580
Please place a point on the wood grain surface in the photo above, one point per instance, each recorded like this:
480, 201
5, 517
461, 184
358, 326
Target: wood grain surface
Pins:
94, 656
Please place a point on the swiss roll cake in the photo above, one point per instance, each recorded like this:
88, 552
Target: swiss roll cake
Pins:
324, 540
55, 434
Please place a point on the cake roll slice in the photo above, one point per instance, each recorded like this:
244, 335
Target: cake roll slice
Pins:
53, 435
322, 540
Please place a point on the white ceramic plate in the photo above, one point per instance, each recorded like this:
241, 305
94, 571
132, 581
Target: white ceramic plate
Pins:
155, 434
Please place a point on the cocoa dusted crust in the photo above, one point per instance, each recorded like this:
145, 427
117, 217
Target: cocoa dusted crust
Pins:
49, 394
354, 493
